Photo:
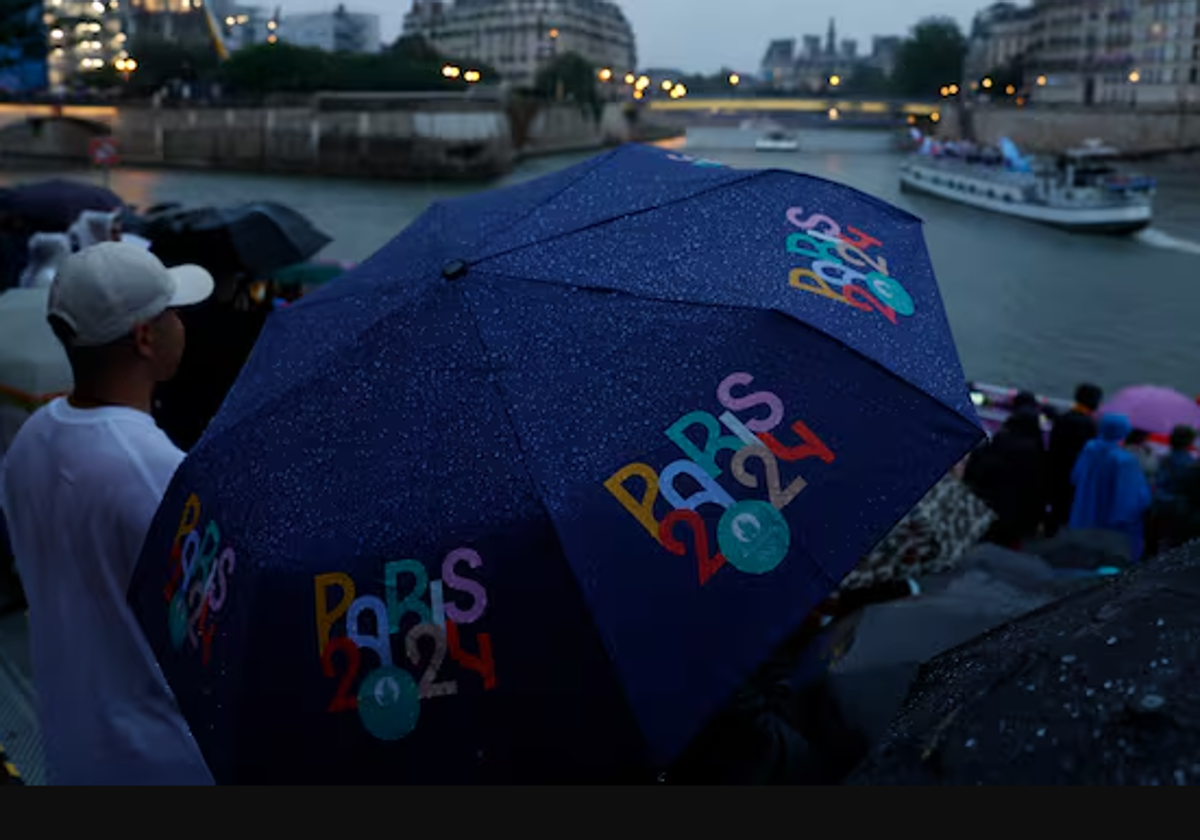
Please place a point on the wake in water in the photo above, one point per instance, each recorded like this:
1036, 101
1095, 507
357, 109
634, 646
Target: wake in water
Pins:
1156, 238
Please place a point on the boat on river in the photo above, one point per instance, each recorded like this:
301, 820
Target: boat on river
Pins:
777, 141
1081, 189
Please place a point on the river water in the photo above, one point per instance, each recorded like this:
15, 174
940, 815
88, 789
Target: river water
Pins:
1030, 306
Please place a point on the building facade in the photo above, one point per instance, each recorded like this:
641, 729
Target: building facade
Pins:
337, 31
1091, 52
83, 36
1001, 37
1166, 52
885, 52
519, 37
820, 60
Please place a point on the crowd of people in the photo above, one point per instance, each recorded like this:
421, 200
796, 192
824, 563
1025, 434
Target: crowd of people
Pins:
153, 351
1089, 472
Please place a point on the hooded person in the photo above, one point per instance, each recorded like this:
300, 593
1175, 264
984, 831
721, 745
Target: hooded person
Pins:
46, 253
1111, 492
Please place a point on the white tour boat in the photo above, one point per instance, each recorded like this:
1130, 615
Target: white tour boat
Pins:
1080, 190
777, 141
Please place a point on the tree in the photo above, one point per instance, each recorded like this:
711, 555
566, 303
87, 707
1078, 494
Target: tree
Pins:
867, 81
416, 49
161, 60
266, 68
287, 68
569, 77
930, 58
22, 36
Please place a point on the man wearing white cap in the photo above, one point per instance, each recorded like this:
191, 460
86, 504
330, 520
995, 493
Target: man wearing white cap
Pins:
79, 487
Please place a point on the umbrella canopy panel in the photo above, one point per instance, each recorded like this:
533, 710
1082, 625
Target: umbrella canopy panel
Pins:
1101, 688
54, 205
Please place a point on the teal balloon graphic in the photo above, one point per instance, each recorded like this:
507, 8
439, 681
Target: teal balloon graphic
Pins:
389, 703
177, 620
754, 537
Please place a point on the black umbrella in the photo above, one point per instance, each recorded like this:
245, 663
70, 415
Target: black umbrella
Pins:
1100, 688
53, 206
262, 237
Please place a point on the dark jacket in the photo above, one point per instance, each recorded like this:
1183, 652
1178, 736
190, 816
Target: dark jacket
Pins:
1068, 437
219, 340
1009, 474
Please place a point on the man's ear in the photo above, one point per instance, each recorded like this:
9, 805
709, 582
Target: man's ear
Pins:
143, 340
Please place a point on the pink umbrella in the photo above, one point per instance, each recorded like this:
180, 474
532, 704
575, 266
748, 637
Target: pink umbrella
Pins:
1154, 409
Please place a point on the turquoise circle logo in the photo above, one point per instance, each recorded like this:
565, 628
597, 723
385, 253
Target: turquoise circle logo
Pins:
754, 537
389, 703
891, 293
177, 620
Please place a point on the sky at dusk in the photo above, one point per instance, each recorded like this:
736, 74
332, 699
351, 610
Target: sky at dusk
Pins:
703, 35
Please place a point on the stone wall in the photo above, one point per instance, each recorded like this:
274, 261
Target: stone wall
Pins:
398, 143
348, 135
1044, 130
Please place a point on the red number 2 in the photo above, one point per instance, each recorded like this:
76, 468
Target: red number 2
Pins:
483, 664
343, 701
708, 565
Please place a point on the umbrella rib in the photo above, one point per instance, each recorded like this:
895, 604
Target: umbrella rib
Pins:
733, 306
585, 173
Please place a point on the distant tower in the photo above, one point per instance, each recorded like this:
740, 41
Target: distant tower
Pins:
831, 39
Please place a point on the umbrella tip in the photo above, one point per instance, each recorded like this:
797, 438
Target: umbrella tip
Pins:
454, 269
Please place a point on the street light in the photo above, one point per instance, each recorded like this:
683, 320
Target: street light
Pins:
678, 92
554, 33
1135, 77
987, 83
735, 79
605, 75
630, 78
834, 81
834, 114
954, 90
935, 117
637, 94
1010, 90
945, 91
1041, 81
667, 84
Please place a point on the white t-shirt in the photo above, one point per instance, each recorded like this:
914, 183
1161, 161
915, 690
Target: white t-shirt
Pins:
79, 490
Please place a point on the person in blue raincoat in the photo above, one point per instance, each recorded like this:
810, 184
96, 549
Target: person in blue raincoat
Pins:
1111, 492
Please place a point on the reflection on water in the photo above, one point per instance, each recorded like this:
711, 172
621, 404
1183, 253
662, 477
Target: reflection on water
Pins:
1029, 305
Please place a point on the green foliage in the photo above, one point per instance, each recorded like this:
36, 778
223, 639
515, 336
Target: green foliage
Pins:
867, 81
569, 78
22, 36
161, 60
286, 68
416, 49
931, 57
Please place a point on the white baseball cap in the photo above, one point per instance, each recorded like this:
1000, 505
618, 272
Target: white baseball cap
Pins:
105, 290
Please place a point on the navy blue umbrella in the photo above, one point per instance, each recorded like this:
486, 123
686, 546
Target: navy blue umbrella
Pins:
528, 495
54, 205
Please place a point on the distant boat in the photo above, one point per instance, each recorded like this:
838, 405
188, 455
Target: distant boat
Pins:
1081, 190
777, 141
